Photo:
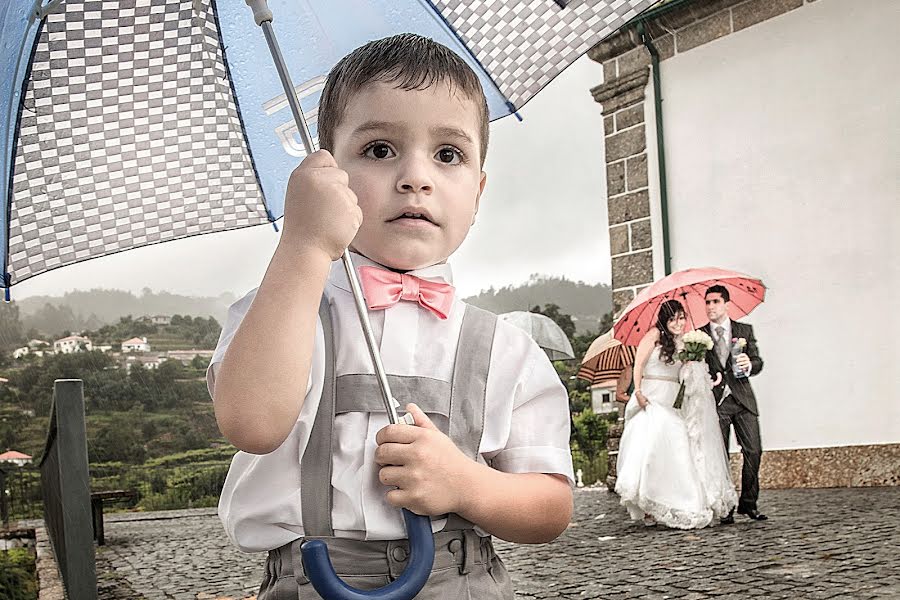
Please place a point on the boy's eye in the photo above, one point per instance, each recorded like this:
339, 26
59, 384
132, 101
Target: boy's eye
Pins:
449, 155
379, 151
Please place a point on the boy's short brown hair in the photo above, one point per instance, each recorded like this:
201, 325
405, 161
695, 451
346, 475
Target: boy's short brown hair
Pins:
412, 62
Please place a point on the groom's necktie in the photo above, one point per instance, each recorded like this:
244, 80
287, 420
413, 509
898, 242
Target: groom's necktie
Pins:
721, 346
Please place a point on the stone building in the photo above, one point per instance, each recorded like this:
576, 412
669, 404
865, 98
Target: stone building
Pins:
769, 146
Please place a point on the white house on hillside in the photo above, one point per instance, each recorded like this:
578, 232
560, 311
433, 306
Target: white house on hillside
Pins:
136, 344
186, 356
73, 343
603, 397
149, 361
34, 347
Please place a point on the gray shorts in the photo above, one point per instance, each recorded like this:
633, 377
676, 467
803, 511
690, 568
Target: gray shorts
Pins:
465, 567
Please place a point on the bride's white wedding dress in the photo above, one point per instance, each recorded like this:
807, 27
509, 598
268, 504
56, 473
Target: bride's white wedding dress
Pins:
671, 462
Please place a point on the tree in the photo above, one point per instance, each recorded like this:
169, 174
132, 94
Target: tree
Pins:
578, 389
606, 323
11, 330
590, 433
52, 320
35, 381
563, 320
12, 420
116, 440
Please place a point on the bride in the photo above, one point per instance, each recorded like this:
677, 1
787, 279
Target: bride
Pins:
672, 465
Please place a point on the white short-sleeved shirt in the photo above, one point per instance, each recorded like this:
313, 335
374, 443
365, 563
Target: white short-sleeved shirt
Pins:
526, 424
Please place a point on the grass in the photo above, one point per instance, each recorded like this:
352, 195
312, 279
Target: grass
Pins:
18, 575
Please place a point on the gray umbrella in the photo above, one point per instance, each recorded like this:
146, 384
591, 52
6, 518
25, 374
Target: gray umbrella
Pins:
543, 330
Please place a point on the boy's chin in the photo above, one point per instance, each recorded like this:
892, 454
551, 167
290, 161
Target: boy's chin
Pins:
399, 263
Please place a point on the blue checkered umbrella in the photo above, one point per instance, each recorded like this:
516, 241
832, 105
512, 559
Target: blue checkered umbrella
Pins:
135, 122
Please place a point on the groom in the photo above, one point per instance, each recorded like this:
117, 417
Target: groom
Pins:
735, 399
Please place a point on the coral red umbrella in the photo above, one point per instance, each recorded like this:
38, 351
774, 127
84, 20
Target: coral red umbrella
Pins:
688, 287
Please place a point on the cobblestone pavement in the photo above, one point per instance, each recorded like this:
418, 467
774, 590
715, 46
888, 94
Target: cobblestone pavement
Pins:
817, 544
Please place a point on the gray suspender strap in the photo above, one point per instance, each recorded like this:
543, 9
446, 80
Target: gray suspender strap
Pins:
315, 467
468, 393
362, 393
469, 386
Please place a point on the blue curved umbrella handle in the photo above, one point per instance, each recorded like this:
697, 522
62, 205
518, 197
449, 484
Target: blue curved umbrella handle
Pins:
329, 585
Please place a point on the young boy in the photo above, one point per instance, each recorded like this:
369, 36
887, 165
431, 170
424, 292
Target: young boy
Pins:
405, 124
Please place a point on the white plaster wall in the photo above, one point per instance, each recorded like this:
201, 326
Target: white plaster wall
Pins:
782, 152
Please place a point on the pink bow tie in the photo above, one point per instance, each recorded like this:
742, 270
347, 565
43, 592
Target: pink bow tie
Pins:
384, 288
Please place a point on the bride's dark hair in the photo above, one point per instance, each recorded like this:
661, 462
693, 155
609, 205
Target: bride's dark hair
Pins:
667, 310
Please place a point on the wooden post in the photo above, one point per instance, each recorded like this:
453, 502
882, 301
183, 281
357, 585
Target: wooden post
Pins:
65, 482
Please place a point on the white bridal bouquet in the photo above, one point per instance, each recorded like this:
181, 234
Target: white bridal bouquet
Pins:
696, 343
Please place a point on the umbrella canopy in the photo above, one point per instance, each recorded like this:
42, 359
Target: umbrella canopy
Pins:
605, 359
544, 331
688, 287
156, 120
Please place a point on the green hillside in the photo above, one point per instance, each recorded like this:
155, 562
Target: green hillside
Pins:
586, 303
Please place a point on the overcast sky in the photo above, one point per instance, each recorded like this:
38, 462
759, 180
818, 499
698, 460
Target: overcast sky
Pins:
543, 211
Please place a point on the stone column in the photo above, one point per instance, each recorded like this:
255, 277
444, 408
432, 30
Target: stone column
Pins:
627, 184
614, 434
628, 198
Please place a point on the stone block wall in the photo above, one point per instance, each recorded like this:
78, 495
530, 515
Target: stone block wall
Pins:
627, 184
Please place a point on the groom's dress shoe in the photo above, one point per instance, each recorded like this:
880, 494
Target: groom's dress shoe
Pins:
753, 514
728, 519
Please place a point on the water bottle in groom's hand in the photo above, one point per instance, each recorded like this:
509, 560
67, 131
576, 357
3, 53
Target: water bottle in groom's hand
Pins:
737, 348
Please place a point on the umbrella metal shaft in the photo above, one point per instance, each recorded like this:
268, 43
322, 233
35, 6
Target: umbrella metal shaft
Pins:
361, 310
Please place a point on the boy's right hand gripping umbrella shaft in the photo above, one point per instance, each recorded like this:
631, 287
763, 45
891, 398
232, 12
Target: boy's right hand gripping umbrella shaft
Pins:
320, 209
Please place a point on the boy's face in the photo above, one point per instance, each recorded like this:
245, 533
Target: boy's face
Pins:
413, 157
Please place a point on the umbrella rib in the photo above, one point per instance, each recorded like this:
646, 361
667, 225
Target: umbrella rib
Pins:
693, 287
439, 17
746, 312
637, 317
10, 149
240, 115
687, 308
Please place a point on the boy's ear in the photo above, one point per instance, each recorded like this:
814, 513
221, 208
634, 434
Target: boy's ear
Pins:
481, 185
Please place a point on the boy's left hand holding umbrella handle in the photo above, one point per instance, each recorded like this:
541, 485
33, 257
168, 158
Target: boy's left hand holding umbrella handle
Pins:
418, 527
434, 477
423, 464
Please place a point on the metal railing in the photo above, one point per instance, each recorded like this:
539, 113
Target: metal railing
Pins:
65, 484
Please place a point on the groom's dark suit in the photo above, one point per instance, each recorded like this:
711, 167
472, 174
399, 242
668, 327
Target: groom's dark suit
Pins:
738, 408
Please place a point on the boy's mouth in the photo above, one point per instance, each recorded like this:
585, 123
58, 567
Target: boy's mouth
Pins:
408, 216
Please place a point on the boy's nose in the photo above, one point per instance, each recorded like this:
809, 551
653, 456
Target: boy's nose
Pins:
415, 179
414, 185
